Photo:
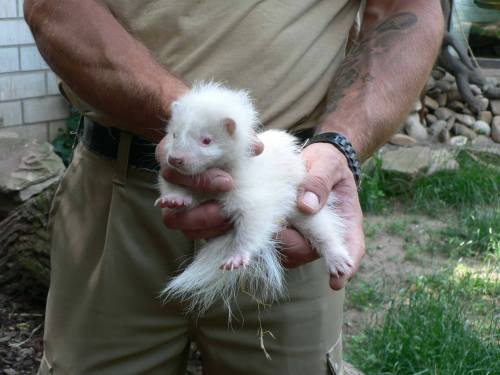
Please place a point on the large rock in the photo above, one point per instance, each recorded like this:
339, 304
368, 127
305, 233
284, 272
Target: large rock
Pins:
442, 159
27, 167
442, 99
414, 127
418, 160
458, 140
481, 127
481, 140
464, 130
430, 118
465, 119
495, 129
443, 113
436, 129
402, 140
495, 107
407, 161
456, 105
486, 116
483, 103
431, 103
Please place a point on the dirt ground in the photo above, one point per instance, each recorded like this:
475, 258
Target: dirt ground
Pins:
386, 265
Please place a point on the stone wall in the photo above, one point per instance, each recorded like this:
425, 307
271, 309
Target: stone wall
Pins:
30, 104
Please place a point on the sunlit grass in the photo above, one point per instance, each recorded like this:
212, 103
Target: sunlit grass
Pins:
441, 324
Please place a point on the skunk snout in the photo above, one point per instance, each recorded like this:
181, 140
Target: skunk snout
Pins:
175, 162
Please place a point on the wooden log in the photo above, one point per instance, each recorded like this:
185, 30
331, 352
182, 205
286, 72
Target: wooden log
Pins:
24, 242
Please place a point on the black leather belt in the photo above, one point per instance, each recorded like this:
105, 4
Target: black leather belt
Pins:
104, 141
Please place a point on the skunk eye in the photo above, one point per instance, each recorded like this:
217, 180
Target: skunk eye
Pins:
206, 141
174, 135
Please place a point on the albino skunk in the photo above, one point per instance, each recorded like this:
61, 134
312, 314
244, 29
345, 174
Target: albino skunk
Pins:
214, 126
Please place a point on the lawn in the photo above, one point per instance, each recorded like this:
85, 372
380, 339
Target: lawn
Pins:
425, 298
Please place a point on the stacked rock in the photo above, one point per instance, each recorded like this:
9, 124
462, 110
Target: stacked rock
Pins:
445, 117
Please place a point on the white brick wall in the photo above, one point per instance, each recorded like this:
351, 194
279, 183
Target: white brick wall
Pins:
30, 104
8, 9
9, 59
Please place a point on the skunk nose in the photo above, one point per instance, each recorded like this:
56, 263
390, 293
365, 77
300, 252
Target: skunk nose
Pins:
175, 162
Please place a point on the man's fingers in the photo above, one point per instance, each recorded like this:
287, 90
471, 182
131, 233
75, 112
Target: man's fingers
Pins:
295, 248
208, 233
211, 181
321, 160
314, 191
205, 216
337, 283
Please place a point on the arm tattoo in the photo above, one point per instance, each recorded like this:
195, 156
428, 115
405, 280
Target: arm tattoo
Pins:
375, 43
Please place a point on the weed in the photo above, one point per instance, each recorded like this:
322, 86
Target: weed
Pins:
431, 328
372, 195
362, 295
397, 227
371, 229
412, 251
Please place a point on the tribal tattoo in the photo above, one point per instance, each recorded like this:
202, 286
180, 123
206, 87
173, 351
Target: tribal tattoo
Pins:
375, 43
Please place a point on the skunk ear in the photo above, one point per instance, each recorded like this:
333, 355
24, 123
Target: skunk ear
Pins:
230, 126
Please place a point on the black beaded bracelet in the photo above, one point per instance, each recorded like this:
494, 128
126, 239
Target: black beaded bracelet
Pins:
345, 147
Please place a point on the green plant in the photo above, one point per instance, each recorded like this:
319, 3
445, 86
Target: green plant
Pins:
363, 295
432, 327
64, 142
397, 227
372, 196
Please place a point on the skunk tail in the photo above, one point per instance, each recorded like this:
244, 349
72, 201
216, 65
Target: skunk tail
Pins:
203, 281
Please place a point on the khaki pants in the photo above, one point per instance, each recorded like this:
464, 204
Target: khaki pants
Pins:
111, 255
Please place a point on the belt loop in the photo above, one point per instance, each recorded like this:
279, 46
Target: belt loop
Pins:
120, 177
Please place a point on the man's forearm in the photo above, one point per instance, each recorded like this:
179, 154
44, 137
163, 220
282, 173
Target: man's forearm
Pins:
89, 49
384, 72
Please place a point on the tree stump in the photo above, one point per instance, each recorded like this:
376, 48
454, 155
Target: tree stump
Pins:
24, 242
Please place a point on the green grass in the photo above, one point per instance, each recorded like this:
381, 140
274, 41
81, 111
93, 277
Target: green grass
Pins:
435, 327
363, 295
473, 233
472, 184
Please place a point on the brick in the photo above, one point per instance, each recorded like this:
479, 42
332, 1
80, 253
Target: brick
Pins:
11, 113
56, 128
20, 10
13, 32
52, 84
8, 8
31, 59
22, 85
45, 109
9, 59
36, 131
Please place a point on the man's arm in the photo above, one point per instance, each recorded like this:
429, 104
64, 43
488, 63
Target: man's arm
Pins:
384, 72
372, 91
109, 69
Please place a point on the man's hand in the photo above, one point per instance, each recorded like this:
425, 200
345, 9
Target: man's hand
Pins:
206, 220
327, 172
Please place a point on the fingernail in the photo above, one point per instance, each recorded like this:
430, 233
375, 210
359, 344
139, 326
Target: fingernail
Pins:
311, 200
221, 183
